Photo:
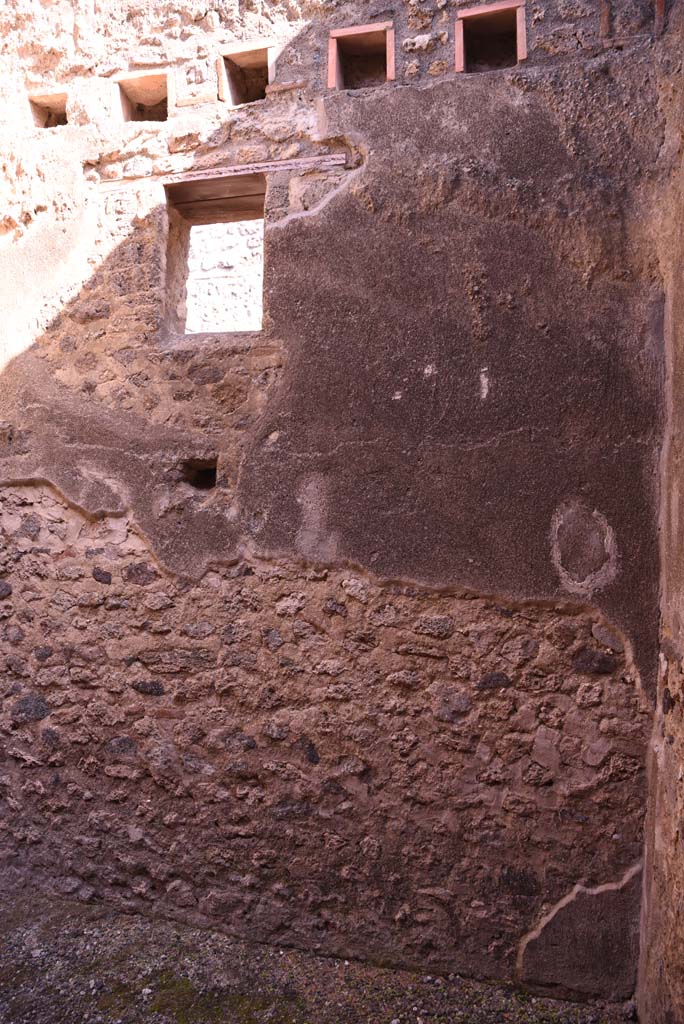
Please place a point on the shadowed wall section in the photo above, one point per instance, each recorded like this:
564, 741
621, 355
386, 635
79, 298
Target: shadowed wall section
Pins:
661, 985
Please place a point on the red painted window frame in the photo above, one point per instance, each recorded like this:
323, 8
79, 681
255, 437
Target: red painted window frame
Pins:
334, 69
473, 12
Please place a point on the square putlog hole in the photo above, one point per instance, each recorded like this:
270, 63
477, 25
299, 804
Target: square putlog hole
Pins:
145, 97
245, 76
200, 473
491, 41
49, 111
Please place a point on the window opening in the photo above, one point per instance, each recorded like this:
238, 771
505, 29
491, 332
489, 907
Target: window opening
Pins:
225, 277
216, 255
361, 57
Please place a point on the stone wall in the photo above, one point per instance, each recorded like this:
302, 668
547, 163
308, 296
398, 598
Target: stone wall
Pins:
86, 36
310, 756
381, 686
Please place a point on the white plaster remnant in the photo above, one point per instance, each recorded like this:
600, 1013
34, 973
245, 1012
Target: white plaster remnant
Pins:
484, 382
425, 42
430, 370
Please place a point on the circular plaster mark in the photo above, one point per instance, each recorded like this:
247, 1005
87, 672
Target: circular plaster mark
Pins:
583, 548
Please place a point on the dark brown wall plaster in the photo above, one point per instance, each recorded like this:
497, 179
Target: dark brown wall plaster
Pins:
511, 262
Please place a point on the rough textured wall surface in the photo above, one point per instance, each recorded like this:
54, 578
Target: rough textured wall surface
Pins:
381, 689
662, 962
434, 768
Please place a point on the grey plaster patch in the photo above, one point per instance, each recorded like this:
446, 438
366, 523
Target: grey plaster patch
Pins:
313, 539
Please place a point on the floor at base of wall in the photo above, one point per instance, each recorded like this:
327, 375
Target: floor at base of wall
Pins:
62, 963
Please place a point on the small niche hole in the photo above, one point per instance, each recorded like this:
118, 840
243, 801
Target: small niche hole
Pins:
362, 70
50, 111
200, 473
145, 97
491, 41
361, 57
246, 76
